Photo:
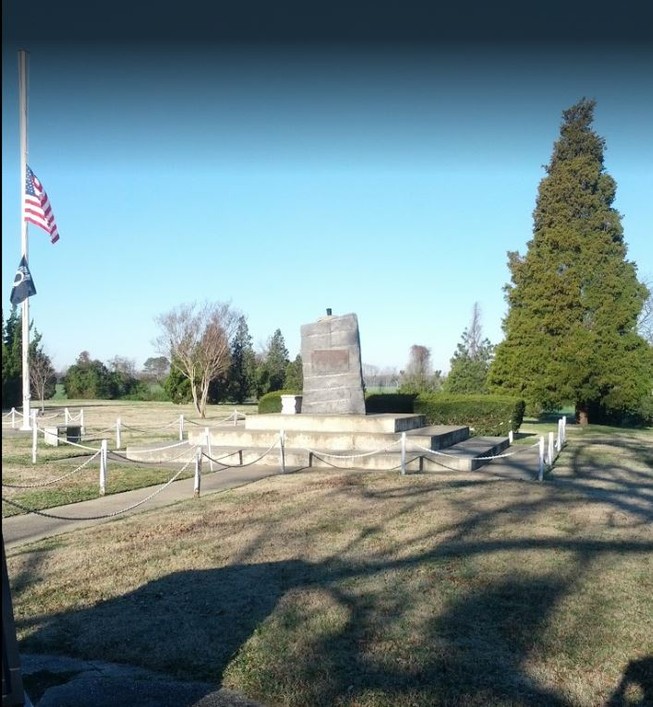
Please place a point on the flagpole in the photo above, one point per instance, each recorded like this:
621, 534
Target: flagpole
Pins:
22, 107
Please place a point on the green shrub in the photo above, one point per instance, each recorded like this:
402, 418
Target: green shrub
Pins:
492, 415
149, 392
389, 402
271, 402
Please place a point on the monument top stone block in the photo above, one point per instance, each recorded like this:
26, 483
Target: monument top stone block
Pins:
331, 360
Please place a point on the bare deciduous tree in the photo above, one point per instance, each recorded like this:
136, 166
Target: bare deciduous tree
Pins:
475, 332
41, 375
196, 339
121, 364
419, 375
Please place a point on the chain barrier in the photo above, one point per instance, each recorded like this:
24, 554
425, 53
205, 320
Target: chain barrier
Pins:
169, 446
148, 428
496, 456
61, 440
52, 481
90, 431
99, 517
316, 452
557, 445
192, 422
234, 466
121, 457
136, 429
229, 418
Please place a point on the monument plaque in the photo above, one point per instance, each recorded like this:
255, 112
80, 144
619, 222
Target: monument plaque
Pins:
331, 358
330, 361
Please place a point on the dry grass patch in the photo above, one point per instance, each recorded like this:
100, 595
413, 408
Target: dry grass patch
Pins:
368, 589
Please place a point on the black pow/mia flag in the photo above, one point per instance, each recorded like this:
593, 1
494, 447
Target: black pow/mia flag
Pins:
23, 283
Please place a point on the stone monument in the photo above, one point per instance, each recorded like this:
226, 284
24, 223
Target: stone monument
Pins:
331, 360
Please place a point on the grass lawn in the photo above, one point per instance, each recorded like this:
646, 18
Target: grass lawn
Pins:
68, 473
325, 587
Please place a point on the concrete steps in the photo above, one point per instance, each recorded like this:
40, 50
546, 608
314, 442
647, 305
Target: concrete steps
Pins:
464, 456
432, 437
436, 436
344, 441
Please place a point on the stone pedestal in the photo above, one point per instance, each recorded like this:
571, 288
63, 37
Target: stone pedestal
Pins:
291, 404
331, 359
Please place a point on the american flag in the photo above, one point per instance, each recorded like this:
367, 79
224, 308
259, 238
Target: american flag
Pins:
37, 206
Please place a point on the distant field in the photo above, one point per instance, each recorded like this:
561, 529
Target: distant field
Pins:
100, 413
373, 589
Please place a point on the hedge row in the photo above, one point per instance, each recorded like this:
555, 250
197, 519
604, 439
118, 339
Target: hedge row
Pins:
377, 403
492, 415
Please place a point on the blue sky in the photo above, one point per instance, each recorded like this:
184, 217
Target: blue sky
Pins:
385, 180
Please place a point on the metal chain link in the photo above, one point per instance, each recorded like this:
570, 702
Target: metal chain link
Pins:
53, 481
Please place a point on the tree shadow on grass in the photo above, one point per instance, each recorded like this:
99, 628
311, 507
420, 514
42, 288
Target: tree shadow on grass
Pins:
339, 632
636, 686
474, 653
192, 624
605, 478
186, 623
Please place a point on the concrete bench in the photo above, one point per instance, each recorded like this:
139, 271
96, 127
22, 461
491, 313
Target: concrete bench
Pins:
73, 433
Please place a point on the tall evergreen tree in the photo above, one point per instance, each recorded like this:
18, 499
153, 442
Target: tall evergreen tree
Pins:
41, 372
177, 386
271, 370
295, 374
89, 379
12, 360
242, 372
571, 327
471, 361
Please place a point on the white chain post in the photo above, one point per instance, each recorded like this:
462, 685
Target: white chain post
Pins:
559, 441
13, 418
198, 472
403, 453
282, 451
540, 473
181, 428
209, 451
81, 421
118, 440
511, 436
551, 453
103, 468
35, 435
235, 416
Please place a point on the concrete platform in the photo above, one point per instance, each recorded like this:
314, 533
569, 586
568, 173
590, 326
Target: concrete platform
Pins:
468, 455
436, 437
381, 423
341, 441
